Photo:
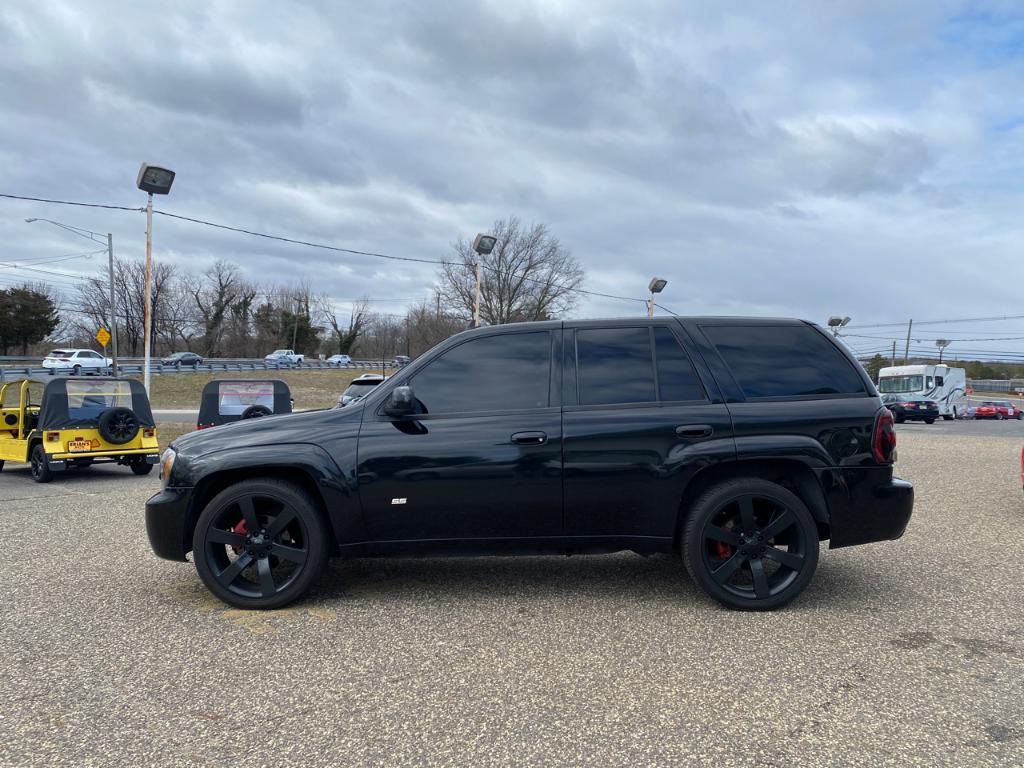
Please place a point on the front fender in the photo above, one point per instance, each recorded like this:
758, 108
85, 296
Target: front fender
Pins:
308, 464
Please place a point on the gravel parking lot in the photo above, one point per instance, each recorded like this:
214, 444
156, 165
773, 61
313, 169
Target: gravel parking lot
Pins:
902, 653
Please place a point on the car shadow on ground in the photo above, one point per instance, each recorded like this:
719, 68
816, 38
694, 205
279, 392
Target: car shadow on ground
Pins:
622, 576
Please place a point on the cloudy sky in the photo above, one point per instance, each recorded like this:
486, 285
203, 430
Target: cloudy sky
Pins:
792, 158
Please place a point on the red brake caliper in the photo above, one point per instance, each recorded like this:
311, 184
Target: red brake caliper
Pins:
241, 529
723, 550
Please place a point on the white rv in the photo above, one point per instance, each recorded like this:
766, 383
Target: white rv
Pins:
946, 386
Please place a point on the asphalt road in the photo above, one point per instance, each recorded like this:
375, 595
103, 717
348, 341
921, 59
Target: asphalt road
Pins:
902, 653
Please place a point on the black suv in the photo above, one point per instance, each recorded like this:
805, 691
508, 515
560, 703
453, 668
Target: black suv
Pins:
737, 443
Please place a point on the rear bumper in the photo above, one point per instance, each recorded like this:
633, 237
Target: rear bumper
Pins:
866, 505
168, 524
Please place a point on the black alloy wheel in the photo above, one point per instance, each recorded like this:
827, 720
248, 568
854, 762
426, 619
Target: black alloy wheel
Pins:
41, 471
750, 544
118, 425
260, 544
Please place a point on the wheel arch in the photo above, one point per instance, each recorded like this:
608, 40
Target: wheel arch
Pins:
309, 468
792, 474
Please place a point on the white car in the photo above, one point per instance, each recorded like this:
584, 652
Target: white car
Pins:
284, 357
339, 360
360, 388
77, 361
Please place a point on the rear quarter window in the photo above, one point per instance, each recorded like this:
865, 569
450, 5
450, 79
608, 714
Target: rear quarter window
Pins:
784, 361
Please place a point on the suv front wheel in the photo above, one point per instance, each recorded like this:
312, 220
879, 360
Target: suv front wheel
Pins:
260, 544
750, 544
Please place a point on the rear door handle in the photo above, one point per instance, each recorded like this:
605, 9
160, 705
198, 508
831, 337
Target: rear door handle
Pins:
529, 438
694, 430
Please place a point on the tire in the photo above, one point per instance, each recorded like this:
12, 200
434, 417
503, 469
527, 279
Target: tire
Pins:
716, 556
140, 467
118, 425
1020, 415
899, 419
947, 417
999, 416
41, 471
76, 370
256, 412
929, 421
1, 466
221, 542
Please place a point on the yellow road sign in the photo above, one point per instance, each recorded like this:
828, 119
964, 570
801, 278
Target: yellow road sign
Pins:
103, 336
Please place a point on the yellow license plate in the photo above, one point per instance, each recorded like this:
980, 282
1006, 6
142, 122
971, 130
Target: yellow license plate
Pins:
78, 446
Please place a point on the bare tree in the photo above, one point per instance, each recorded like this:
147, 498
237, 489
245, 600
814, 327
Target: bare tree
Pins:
428, 325
344, 339
214, 293
528, 276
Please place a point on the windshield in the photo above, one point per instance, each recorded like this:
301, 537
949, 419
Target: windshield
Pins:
896, 384
360, 388
88, 399
233, 398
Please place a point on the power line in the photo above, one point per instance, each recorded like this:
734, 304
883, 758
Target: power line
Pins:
71, 202
310, 244
940, 322
294, 241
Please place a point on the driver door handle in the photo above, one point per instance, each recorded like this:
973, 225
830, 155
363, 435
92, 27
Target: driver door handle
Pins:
529, 438
694, 430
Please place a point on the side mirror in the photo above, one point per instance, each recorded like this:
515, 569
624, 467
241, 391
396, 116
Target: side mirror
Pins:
401, 402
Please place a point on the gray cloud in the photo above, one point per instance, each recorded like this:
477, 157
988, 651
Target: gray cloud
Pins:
763, 162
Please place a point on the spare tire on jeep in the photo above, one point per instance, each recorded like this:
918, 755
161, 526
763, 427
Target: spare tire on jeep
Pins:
118, 425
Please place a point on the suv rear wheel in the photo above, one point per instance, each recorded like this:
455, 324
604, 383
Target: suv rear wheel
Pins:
260, 544
750, 544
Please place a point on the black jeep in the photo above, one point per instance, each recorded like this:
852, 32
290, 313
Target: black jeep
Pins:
738, 444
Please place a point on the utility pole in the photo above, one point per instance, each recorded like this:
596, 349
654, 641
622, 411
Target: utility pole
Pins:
146, 344
295, 325
476, 296
906, 349
113, 306
894, 352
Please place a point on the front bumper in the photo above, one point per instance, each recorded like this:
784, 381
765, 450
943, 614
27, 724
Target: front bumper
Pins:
866, 505
168, 523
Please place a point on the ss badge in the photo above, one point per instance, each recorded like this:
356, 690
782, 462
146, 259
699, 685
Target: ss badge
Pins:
397, 501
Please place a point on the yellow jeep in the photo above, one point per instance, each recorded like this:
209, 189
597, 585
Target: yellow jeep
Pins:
74, 422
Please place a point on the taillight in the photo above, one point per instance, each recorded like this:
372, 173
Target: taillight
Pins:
148, 432
883, 441
53, 437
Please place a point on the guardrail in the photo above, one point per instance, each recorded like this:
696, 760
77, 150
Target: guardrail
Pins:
135, 367
997, 385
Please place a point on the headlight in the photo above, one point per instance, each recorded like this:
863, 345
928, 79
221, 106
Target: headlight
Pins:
166, 463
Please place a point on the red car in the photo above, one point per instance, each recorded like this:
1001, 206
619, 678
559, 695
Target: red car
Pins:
998, 409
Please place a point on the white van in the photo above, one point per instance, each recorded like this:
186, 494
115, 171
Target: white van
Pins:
946, 386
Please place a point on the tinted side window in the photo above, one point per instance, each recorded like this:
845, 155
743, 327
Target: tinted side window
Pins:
614, 365
494, 373
676, 378
783, 360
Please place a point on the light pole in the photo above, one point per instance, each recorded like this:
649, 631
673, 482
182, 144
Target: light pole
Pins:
941, 344
154, 181
835, 322
657, 285
94, 237
483, 244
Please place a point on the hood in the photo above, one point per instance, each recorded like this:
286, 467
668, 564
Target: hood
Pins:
304, 427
